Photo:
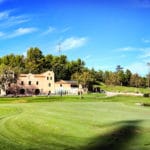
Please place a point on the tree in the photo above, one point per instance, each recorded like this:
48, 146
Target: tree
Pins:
7, 77
77, 66
60, 67
100, 76
135, 80
111, 78
34, 60
148, 76
48, 62
119, 68
14, 61
120, 77
85, 78
128, 75
106, 76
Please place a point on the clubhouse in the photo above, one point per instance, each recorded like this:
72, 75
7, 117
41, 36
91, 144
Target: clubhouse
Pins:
41, 84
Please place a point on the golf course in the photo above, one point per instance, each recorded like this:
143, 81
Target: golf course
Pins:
71, 123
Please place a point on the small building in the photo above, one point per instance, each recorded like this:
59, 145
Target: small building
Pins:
36, 83
66, 87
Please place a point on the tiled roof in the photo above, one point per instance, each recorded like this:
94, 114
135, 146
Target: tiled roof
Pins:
66, 82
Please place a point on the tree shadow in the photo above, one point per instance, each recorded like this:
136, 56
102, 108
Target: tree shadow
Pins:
116, 140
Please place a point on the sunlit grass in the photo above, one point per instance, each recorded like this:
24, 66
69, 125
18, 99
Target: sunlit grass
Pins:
68, 122
124, 89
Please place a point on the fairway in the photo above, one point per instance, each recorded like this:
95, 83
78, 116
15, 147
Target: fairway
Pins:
88, 124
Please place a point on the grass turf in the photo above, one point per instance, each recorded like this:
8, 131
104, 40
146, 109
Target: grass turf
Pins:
125, 89
71, 123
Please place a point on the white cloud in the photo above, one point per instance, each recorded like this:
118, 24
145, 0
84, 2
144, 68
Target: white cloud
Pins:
146, 52
12, 21
7, 19
138, 67
21, 31
145, 40
2, 34
131, 49
127, 49
4, 15
50, 30
72, 42
65, 29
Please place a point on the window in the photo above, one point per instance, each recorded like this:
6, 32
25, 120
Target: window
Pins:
74, 85
47, 78
29, 82
22, 83
49, 85
37, 82
51, 78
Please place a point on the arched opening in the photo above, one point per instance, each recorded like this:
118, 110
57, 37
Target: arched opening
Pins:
22, 91
8, 92
37, 91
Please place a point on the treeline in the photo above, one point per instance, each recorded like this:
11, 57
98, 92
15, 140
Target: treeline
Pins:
123, 78
118, 77
36, 62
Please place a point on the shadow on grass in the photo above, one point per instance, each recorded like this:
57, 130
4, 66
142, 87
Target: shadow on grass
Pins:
146, 104
116, 140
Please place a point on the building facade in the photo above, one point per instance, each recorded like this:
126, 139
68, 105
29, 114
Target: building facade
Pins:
43, 83
66, 87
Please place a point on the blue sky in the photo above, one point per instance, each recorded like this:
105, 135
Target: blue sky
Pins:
103, 33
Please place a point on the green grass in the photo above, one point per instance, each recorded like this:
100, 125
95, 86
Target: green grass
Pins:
113, 88
71, 123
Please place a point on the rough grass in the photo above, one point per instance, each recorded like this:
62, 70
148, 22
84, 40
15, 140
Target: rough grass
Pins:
71, 123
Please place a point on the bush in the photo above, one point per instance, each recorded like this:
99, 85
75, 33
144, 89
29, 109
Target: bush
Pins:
146, 94
146, 104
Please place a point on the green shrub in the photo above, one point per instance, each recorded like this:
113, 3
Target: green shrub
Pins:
146, 104
146, 94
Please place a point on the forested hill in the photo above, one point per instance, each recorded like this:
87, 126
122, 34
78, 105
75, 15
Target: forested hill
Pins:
36, 62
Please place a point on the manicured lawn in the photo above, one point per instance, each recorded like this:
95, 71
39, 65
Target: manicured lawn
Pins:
71, 123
